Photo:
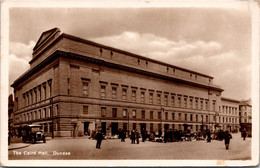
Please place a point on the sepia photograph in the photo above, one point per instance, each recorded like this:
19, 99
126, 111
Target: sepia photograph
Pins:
134, 83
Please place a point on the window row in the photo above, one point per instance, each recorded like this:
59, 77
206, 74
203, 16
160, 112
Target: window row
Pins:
152, 97
37, 94
229, 110
38, 114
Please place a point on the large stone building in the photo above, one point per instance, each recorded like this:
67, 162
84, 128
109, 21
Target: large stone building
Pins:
75, 86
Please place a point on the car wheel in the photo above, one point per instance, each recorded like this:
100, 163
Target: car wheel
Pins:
44, 140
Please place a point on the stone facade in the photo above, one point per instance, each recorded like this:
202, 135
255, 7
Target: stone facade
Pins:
75, 86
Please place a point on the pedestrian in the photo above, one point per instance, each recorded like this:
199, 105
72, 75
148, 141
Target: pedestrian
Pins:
244, 134
137, 134
227, 137
123, 135
132, 137
144, 134
208, 135
166, 136
99, 138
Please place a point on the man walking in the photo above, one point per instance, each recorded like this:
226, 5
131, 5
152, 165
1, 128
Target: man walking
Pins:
244, 134
99, 138
137, 136
227, 137
132, 137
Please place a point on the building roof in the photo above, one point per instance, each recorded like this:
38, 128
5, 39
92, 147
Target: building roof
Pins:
229, 99
45, 36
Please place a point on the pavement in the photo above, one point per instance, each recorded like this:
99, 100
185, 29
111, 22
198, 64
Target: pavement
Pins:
83, 148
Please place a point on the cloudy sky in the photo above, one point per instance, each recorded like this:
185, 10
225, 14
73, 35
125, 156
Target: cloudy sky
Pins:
213, 41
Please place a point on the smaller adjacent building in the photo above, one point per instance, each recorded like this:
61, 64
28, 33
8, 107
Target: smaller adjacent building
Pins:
245, 113
229, 114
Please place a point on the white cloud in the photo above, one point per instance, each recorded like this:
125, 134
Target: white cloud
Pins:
19, 56
22, 50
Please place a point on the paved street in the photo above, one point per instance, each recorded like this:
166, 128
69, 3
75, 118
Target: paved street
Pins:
84, 148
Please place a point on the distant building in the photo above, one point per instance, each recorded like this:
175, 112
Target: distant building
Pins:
10, 113
245, 113
75, 86
229, 114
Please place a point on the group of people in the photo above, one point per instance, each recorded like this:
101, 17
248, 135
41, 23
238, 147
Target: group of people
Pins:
169, 136
135, 135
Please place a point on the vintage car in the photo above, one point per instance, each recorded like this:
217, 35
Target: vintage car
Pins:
33, 133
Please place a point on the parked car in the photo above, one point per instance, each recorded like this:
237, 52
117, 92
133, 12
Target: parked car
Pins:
33, 133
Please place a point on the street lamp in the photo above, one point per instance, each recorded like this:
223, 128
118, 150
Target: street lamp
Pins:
162, 109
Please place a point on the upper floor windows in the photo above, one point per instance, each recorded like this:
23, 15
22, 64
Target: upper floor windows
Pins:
124, 94
134, 95
151, 98
103, 91
142, 96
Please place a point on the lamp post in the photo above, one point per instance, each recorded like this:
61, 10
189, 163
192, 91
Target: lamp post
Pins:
52, 130
162, 109
128, 122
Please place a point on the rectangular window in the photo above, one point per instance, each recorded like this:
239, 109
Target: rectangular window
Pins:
151, 114
103, 111
173, 116
40, 114
197, 117
166, 100
179, 116
151, 127
185, 102
85, 109
124, 94
191, 117
191, 103
158, 98
185, 117
143, 114
44, 91
207, 118
114, 112
57, 109
142, 97
207, 105
44, 113
114, 93
103, 91
214, 106
151, 98
159, 126
40, 93
50, 111
166, 115
134, 95
35, 94
159, 115
27, 117
179, 101
173, 126
173, 101
35, 115
201, 104
31, 97
134, 113
124, 113
196, 104
85, 89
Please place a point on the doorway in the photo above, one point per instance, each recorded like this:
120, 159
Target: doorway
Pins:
114, 128
86, 130
104, 127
